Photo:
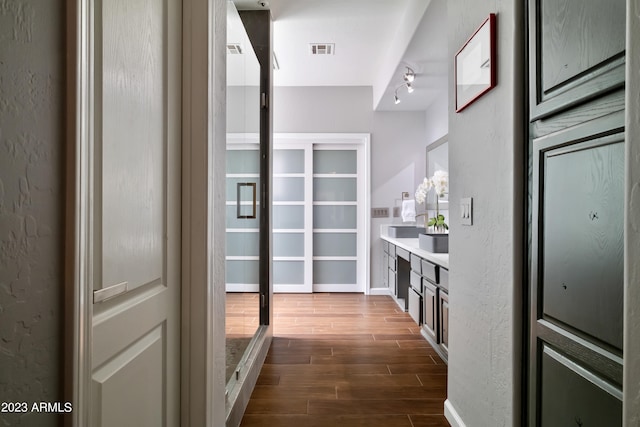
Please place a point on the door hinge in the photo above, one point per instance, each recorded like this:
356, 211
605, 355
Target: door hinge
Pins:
263, 100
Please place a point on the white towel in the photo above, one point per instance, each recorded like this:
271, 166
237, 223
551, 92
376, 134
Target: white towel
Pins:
408, 211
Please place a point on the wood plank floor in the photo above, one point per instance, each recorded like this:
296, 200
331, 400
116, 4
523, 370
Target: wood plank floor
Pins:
347, 360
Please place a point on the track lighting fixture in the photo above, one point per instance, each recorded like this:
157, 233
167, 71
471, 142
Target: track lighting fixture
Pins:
408, 77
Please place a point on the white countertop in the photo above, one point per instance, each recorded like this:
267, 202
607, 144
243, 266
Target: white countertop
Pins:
412, 246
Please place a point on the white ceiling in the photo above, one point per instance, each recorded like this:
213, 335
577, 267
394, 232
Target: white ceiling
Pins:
374, 41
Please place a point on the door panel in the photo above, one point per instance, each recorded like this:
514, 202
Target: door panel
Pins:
430, 312
335, 217
136, 238
288, 244
443, 312
568, 53
571, 395
291, 239
337, 188
133, 142
135, 369
582, 248
576, 52
577, 294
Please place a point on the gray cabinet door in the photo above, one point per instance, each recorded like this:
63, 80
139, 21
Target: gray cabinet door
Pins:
415, 305
385, 269
430, 311
576, 180
443, 324
392, 281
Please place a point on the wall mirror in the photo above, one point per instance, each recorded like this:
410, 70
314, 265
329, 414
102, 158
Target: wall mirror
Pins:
242, 199
437, 158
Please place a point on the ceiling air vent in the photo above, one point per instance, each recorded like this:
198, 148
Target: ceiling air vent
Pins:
234, 49
322, 48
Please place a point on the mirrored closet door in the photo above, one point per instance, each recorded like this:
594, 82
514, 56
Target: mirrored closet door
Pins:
242, 197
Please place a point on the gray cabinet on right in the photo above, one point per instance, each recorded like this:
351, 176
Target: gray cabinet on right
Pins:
575, 174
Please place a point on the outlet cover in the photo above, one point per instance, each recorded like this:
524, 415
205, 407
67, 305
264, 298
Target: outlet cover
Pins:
379, 212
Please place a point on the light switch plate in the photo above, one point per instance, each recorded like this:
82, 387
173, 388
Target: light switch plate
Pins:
466, 211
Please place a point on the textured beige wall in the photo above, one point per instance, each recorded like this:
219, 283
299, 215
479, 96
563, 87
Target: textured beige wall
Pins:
31, 204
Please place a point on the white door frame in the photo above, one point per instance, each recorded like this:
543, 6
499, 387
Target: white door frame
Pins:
203, 185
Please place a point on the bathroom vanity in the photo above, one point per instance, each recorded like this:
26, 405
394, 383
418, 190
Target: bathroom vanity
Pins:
419, 282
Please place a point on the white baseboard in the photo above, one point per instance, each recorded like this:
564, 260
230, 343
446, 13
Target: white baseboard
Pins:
452, 416
379, 291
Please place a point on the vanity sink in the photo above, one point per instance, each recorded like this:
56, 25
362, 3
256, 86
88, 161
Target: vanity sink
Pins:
405, 231
435, 243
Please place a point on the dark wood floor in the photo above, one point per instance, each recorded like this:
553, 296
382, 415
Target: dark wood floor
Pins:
347, 360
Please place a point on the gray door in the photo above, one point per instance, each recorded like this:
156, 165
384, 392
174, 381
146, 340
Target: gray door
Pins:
135, 234
576, 181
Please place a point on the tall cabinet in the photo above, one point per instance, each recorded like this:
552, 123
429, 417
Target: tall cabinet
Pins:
575, 205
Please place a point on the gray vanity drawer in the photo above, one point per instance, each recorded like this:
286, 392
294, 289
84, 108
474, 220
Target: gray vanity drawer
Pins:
430, 271
416, 281
385, 246
443, 276
392, 263
415, 264
392, 250
402, 253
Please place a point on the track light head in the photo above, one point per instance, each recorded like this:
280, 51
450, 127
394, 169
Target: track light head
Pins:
409, 88
410, 75
396, 100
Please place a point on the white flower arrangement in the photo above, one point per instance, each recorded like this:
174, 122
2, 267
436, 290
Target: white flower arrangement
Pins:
440, 183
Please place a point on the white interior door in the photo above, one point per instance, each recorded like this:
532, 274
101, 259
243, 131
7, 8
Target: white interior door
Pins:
337, 218
292, 189
135, 364
320, 213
